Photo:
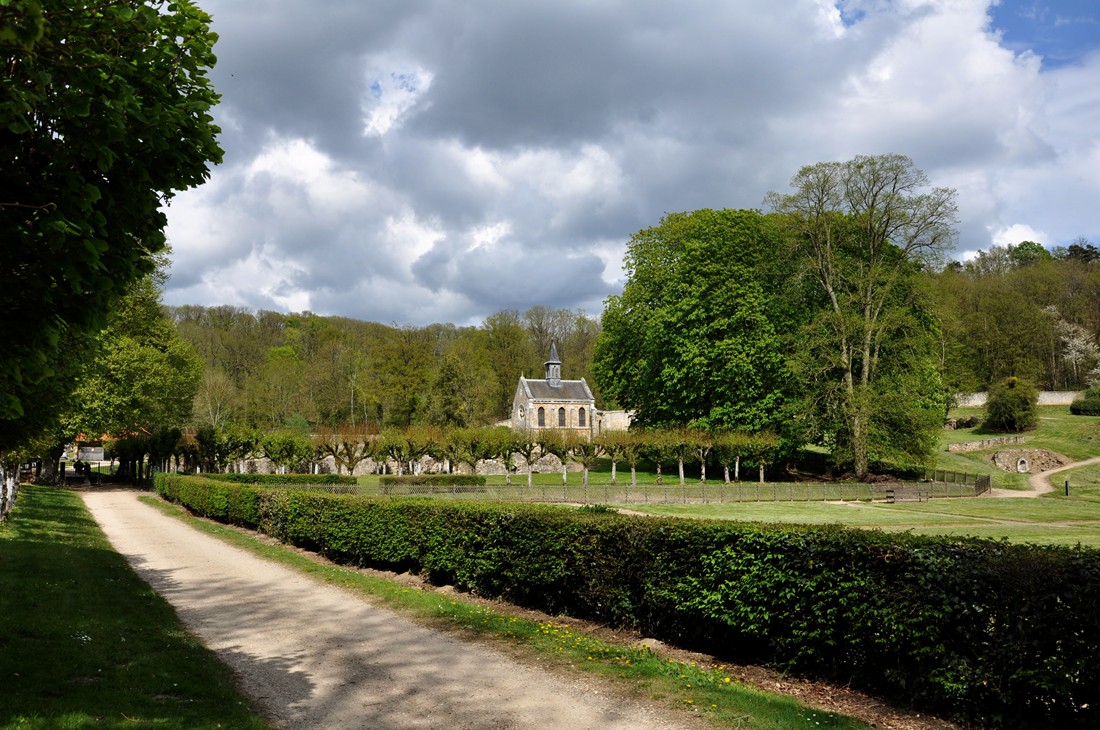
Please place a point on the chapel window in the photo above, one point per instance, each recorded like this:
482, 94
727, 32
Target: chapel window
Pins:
561, 417
542, 417
580, 418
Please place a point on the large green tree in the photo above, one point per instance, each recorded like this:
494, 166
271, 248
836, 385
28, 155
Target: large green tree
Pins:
861, 229
104, 113
692, 340
144, 376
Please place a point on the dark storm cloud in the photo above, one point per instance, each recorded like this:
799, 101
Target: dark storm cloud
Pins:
437, 161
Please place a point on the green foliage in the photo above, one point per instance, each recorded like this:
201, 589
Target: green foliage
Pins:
81, 190
861, 229
287, 449
145, 375
1012, 405
1087, 406
692, 338
990, 633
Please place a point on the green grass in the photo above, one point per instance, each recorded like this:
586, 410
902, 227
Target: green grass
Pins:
1077, 437
1043, 521
708, 690
85, 643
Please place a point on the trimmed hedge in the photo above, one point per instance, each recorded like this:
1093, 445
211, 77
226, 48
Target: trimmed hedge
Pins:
433, 480
284, 479
984, 632
1087, 406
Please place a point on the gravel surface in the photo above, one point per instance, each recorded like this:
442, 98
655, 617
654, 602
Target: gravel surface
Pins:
313, 656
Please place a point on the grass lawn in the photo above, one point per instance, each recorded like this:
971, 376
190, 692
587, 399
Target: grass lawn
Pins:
85, 643
1043, 521
1077, 437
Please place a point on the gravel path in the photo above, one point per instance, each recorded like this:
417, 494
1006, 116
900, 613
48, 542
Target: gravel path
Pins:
313, 656
1040, 483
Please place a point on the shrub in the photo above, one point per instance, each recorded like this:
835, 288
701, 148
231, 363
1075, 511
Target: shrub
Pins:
1012, 405
994, 634
1087, 406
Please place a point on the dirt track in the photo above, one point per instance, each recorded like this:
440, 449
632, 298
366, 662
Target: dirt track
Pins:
314, 656
1040, 483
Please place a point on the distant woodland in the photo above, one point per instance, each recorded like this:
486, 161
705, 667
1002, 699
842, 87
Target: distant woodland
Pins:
264, 368
1018, 310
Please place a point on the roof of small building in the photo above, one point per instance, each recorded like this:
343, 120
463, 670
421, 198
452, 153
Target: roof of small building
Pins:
541, 390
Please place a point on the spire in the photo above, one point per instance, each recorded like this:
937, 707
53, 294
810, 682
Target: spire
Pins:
553, 367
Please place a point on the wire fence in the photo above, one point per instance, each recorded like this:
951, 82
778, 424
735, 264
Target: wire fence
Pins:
955, 484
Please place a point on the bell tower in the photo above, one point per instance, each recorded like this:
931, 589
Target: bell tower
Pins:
553, 367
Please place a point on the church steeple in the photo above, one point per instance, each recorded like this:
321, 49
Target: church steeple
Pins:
553, 367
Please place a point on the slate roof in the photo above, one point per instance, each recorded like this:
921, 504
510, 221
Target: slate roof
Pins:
541, 390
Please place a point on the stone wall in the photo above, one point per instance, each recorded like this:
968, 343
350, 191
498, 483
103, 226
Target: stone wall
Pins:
1046, 398
985, 444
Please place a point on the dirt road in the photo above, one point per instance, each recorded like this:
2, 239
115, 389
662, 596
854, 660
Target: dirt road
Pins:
314, 656
1040, 483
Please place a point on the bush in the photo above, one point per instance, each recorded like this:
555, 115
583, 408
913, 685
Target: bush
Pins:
1012, 405
993, 634
283, 479
1087, 406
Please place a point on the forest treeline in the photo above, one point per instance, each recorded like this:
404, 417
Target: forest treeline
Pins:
1015, 310
267, 369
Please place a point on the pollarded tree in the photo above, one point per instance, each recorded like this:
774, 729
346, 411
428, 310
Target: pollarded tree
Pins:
862, 228
105, 115
585, 452
286, 449
693, 337
730, 447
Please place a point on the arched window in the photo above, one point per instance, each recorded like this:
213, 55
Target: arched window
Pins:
561, 417
580, 418
542, 417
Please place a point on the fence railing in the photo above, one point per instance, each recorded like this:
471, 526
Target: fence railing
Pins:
956, 484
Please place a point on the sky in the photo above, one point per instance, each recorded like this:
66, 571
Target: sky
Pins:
419, 161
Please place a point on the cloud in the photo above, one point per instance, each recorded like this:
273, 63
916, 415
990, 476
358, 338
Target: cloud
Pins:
434, 161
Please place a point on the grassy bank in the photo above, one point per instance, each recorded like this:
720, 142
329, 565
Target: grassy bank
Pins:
85, 643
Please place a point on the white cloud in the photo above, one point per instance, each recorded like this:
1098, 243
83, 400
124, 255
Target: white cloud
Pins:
1018, 233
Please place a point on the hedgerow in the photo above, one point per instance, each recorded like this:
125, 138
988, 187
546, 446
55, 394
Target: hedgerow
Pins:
985, 632
283, 479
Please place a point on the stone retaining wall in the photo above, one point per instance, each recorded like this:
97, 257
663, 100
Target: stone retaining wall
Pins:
1046, 398
985, 444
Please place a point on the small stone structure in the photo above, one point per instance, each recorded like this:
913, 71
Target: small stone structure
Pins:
1028, 461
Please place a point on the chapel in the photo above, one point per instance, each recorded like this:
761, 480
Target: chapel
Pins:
553, 403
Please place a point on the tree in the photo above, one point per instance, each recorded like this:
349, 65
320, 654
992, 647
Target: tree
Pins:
1012, 405
145, 376
104, 114
861, 229
691, 340
286, 449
